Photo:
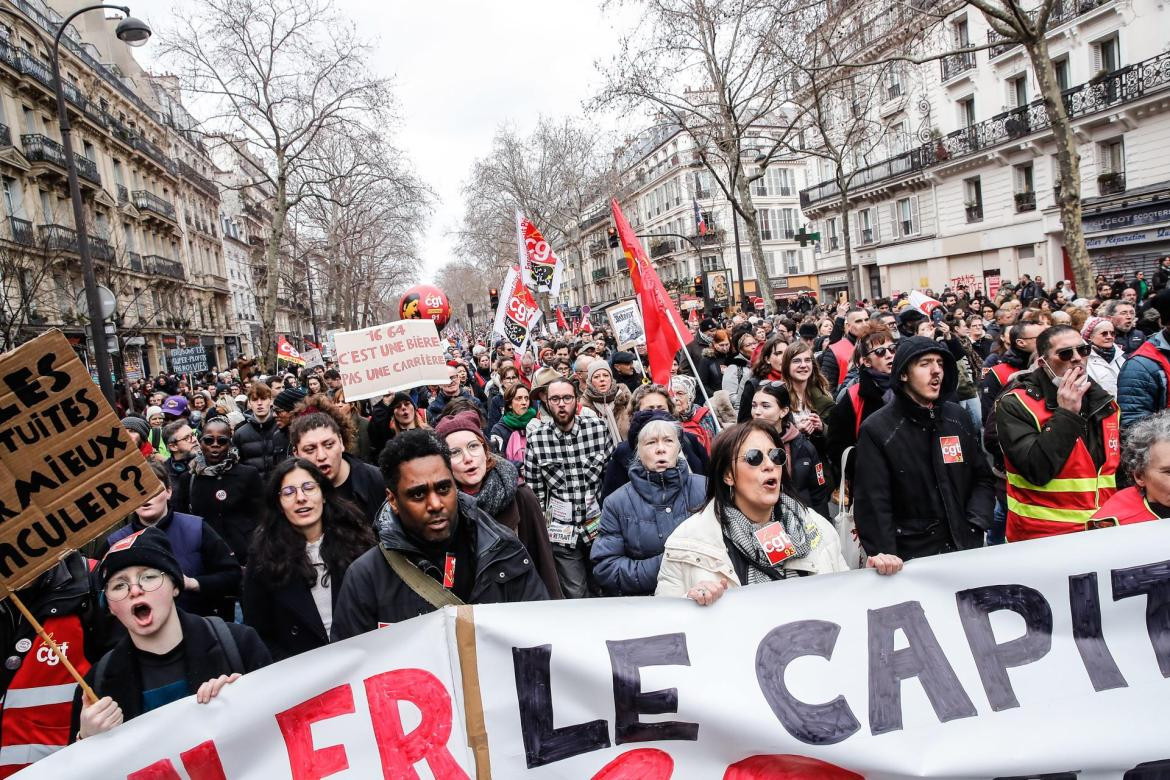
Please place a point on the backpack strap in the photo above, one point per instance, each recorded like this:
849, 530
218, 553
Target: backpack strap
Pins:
228, 642
430, 591
99, 670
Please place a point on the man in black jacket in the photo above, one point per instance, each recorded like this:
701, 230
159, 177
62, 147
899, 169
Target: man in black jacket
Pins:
438, 531
260, 441
925, 487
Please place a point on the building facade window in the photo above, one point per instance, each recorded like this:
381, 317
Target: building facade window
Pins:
973, 198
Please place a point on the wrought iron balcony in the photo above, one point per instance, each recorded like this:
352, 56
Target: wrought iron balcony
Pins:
164, 266
58, 238
156, 154
834, 242
956, 64
8, 55
41, 148
867, 235
1062, 11
100, 249
1026, 201
662, 248
600, 273
1116, 88
1111, 183
31, 66
199, 180
144, 200
710, 238
22, 231
87, 169
974, 212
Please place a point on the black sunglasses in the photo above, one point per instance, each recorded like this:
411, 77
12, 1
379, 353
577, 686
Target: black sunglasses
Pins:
880, 351
219, 440
754, 457
1066, 354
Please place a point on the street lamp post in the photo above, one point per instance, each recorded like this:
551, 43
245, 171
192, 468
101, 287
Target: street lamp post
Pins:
133, 32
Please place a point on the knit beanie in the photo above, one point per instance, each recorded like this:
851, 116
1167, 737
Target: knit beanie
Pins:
154, 411
464, 421
1091, 325
138, 425
148, 547
288, 398
594, 367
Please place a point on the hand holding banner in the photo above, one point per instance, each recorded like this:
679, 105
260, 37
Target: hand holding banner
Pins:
388, 358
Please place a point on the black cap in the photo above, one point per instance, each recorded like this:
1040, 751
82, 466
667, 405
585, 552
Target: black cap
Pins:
708, 324
623, 357
148, 547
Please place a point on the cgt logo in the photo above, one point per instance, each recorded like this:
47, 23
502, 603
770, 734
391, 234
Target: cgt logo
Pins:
952, 450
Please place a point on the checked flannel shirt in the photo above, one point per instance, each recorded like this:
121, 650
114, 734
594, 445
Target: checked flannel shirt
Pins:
568, 464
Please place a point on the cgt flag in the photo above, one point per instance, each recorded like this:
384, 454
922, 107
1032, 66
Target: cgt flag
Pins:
518, 313
666, 333
540, 267
286, 352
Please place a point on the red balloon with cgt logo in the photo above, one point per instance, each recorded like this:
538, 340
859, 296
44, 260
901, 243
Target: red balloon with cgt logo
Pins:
425, 302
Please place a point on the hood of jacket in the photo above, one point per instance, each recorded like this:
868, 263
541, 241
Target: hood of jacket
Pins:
915, 347
488, 533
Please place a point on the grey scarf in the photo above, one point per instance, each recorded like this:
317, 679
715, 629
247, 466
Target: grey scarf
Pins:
201, 468
498, 488
741, 532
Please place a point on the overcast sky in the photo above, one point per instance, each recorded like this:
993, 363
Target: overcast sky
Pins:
461, 68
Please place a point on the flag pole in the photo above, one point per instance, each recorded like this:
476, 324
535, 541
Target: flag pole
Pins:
47, 638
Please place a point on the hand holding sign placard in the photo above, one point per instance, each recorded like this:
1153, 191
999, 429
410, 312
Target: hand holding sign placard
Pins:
391, 357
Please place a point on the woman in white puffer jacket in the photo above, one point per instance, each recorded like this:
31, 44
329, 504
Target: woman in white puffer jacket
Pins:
750, 531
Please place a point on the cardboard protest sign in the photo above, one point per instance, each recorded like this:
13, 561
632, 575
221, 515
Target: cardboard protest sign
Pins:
626, 321
387, 358
313, 358
191, 360
68, 470
1048, 658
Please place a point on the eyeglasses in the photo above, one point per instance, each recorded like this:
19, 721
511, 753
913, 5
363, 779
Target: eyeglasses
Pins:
1066, 354
148, 581
307, 488
562, 399
1108, 333
189, 438
880, 351
217, 440
473, 449
754, 457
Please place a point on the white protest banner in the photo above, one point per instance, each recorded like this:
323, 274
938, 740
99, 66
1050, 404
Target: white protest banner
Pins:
626, 321
313, 358
375, 704
1042, 658
387, 358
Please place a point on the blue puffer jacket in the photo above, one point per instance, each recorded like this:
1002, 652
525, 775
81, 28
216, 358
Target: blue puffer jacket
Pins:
1141, 386
635, 523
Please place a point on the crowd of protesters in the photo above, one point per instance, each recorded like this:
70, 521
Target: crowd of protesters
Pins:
848, 435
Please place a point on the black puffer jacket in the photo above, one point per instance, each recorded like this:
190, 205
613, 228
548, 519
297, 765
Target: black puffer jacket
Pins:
842, 424
925, 487
369, 489
230, 502
261, 444
372, 593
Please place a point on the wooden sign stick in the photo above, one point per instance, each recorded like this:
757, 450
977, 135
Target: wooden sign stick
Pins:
5, 592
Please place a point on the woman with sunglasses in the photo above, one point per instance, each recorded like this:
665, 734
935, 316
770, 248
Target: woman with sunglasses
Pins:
874, 357
750, 505
1106, 359
219, 488
300, 552
804, 468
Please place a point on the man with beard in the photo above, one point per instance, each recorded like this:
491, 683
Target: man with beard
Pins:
182, 444
563, 464
436, 547
925, 488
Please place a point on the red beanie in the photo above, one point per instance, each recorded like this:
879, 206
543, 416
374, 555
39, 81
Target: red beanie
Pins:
464, 421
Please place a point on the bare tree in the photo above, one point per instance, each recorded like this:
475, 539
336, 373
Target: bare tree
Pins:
464, 283
279, 75
919, 27
706, 66
551, 175
26, 291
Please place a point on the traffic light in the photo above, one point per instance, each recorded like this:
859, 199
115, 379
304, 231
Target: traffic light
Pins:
699, 291
494, 294
612, 235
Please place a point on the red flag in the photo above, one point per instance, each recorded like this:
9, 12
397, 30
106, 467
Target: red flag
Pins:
561, 320
663, 340
285, 351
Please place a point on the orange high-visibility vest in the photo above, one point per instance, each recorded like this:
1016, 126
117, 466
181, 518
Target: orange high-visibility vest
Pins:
1068, 500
